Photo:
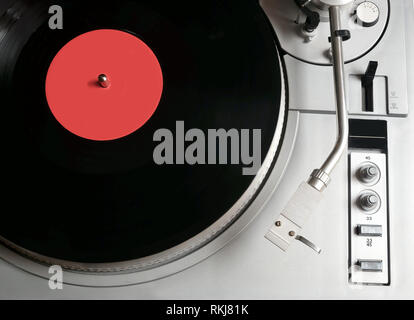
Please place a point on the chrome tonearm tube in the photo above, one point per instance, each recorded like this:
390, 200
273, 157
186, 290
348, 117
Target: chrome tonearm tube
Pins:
305, 200
320, 178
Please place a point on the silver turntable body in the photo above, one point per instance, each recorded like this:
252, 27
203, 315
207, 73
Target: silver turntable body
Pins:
364, 223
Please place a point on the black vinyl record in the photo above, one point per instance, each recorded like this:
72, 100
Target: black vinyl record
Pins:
88, 201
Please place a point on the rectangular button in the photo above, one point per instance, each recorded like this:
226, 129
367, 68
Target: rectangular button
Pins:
370, 265
367, 230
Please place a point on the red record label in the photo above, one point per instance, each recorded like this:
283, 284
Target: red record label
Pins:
104, 85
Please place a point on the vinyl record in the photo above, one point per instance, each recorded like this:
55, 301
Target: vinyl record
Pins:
86, 194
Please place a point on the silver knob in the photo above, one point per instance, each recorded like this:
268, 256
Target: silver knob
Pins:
367, 14
368, 173
369, 201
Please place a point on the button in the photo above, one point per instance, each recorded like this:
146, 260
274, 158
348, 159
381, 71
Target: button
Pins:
370, 265
367, 230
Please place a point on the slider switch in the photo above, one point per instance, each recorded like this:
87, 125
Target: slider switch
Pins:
370, 265
367, 230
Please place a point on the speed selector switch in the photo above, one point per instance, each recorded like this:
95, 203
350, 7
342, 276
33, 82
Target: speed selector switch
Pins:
369, 173
369, 201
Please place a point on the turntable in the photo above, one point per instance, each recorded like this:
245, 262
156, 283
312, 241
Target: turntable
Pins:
206, 149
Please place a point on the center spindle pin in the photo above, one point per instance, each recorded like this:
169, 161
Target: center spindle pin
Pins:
104, 81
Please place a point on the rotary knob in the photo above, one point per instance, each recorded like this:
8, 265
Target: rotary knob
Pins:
367, 14
369, 201
368, 173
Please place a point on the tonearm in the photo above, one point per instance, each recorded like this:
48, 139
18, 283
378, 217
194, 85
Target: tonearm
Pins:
289, 225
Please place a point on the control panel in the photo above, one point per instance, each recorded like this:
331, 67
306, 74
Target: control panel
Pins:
303, 28
376, 69
369, 259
